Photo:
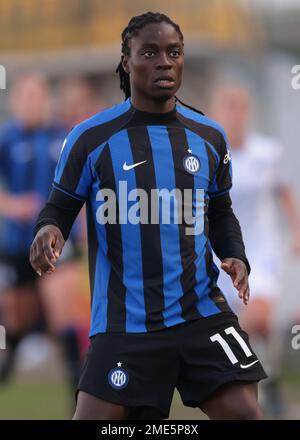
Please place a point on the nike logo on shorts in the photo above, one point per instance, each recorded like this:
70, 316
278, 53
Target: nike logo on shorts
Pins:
249, 365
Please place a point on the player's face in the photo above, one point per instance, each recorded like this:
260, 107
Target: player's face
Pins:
155, 62
29, 100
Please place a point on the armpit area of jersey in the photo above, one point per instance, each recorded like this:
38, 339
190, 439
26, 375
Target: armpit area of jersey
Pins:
60, 210
224, 230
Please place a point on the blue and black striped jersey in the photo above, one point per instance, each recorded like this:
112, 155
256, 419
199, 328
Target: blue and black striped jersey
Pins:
146, 275
27, 163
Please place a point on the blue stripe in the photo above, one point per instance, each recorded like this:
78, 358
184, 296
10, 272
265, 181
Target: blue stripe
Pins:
99, 304
201, 180
169, 233
131, 237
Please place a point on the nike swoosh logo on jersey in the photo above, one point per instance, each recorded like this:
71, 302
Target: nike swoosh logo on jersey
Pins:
129, 167
249, 365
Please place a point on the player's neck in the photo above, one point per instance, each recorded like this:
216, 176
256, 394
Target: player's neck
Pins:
153, 106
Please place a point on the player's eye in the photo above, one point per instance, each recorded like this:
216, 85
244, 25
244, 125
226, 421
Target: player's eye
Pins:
175, 53
149, 53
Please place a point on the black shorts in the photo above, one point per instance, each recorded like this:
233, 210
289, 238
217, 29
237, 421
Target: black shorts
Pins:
16, 270
141, 370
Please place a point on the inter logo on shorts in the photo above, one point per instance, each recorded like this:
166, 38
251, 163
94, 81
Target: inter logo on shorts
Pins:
191, 164
118, 377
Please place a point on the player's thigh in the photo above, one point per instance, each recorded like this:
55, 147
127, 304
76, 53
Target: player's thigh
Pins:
233, 401
92, 408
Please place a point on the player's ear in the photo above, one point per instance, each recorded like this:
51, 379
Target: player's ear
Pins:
125, 65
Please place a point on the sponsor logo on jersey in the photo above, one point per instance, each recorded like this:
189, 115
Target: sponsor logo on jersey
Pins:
227, 157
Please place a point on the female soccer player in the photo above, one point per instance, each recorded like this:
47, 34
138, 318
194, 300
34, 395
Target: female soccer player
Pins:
155, 176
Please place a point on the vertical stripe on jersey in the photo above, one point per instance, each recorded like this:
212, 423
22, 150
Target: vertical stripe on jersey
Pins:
100, 298
165, 179
201, 181
93, 245
150, 233
120, 151
99, 270
116, 310
184, 180
215, 292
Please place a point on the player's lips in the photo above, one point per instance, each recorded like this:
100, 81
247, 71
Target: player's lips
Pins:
165, 82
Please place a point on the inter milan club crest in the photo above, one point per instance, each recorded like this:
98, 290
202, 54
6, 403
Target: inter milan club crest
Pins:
191, 163
118, 378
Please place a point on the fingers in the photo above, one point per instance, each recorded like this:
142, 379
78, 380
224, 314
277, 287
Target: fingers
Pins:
41, 256
45, 251
238, 273
244, 291
247, 296
239, 277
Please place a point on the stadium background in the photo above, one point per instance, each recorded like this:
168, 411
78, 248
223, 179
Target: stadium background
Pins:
256, 41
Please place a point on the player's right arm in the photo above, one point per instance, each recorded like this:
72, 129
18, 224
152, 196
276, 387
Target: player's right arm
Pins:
70, 190
52, 230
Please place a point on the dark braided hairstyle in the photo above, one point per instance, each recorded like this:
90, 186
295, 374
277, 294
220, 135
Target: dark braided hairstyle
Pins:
132, 29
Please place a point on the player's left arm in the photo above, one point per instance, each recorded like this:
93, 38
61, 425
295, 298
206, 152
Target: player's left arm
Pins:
224, 229
227, 242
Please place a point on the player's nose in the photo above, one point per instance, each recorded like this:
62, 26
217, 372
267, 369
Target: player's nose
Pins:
163, 61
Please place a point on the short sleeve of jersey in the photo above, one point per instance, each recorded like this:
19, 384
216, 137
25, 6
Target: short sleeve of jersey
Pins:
222, 178
73, 172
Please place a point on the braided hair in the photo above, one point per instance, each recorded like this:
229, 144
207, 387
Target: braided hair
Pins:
132, 29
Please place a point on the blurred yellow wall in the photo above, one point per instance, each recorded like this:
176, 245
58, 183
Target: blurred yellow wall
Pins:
28, 25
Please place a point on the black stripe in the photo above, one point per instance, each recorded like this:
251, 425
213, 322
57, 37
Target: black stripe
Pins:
184, 180
212, 162
223, 177
150, 233
116, 308
93, 246
88, 141
216, 295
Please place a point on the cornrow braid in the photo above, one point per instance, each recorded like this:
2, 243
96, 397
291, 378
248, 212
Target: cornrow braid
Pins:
135, 24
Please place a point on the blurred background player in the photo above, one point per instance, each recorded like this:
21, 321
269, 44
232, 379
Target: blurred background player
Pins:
260, 187
30, 144
78, 98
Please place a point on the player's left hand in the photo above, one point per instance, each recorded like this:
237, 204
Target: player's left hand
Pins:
238, 272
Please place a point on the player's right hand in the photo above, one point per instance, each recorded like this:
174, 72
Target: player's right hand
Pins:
46, 249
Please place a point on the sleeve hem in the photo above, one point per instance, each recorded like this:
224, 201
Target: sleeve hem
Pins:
68, 192
216, 194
